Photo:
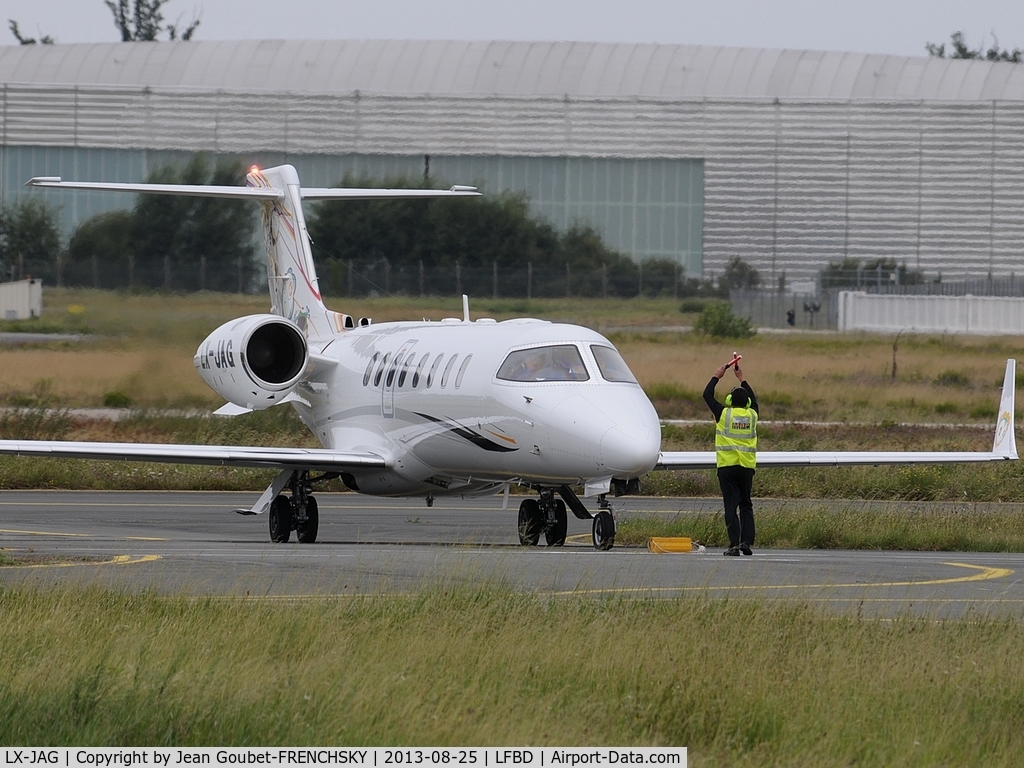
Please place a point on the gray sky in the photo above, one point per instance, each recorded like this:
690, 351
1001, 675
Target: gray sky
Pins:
900, 27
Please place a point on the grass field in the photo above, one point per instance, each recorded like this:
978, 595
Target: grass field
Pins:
142, 348
738, 682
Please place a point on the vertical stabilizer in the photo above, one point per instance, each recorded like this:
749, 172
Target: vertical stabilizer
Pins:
294, 288
1005, 443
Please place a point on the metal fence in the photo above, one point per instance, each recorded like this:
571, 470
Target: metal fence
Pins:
380, 277
368, 278
770, 309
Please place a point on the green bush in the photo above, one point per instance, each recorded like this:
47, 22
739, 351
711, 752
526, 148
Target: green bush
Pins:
116, 399
694, 305
717, 320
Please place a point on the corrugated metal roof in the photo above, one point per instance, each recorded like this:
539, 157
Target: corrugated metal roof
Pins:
481, 68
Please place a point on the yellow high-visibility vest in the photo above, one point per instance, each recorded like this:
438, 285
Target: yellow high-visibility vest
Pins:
736, 438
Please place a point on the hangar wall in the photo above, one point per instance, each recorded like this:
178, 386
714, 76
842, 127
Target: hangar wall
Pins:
789, 184
647, 208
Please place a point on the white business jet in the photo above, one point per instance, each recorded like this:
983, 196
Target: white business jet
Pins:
431, 408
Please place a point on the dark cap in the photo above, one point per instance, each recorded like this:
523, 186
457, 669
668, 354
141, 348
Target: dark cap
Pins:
740, 397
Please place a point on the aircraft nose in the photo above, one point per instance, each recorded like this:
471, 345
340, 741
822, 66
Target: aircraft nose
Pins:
631, 447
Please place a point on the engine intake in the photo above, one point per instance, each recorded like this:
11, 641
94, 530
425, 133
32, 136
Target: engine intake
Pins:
254, 361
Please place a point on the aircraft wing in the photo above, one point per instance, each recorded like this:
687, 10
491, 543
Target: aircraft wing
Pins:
1004, 447
317, 459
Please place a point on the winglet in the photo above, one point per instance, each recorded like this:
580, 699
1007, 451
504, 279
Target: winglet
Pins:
1005, 443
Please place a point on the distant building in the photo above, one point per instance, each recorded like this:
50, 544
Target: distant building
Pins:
789, 159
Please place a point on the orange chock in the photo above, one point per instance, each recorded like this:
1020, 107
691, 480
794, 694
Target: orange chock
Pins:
670, 544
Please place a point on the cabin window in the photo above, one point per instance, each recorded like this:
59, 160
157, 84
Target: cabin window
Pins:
419, 370
561, 362
380, 371
612, 366
369, 368
462, 371
392, 369
433, 370
405, 370
448, 370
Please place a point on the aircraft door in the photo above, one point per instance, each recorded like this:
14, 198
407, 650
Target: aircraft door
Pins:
391, 379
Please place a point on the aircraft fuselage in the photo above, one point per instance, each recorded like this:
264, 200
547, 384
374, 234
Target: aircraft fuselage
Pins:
428, 396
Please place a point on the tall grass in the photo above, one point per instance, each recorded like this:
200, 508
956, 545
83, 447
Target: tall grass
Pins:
738, 682
838, 527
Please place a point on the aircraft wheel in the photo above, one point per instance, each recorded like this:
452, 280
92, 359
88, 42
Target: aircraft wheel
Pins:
307, 531
280, 520
555, 536
529, 522
604, 531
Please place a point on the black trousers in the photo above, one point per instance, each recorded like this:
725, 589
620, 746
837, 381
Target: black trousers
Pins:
736, 482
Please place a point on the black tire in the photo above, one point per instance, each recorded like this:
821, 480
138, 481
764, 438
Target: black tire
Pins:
529, 522
280, 520
604, 531
307, 531
555, 535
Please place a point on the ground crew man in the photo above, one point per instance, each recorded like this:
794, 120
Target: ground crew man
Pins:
736, 456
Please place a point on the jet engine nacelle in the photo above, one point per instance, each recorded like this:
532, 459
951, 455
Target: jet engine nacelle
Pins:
255, 361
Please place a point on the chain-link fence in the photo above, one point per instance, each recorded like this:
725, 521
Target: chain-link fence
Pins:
371, 278
770, 309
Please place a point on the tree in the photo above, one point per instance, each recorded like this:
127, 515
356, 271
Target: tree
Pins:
202, 240
960, 50
192, 232
44, 39
718, 321
139, 20
101, 242
739, 274
30, 241
475, 234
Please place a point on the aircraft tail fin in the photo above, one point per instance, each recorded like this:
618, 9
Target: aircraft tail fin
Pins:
291, 276
294, 288
1005, 442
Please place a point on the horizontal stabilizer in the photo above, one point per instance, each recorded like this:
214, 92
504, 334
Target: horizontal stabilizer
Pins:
347, 193
252, 193
185, 190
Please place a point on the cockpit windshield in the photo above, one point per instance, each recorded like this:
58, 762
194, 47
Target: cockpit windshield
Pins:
612, 366
555, 363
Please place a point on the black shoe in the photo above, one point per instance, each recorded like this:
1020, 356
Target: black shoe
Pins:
732, 552
745, 549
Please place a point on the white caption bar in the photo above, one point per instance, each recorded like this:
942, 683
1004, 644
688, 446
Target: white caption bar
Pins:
384, 757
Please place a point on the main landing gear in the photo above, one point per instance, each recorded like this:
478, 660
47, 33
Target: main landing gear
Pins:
547, 515
298, 512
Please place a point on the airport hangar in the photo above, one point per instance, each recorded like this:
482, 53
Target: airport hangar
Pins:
788, 159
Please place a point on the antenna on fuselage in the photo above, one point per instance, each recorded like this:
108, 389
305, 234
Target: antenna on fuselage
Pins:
465, 308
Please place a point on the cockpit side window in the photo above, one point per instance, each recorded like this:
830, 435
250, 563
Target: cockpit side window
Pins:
613, 367
561, 362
